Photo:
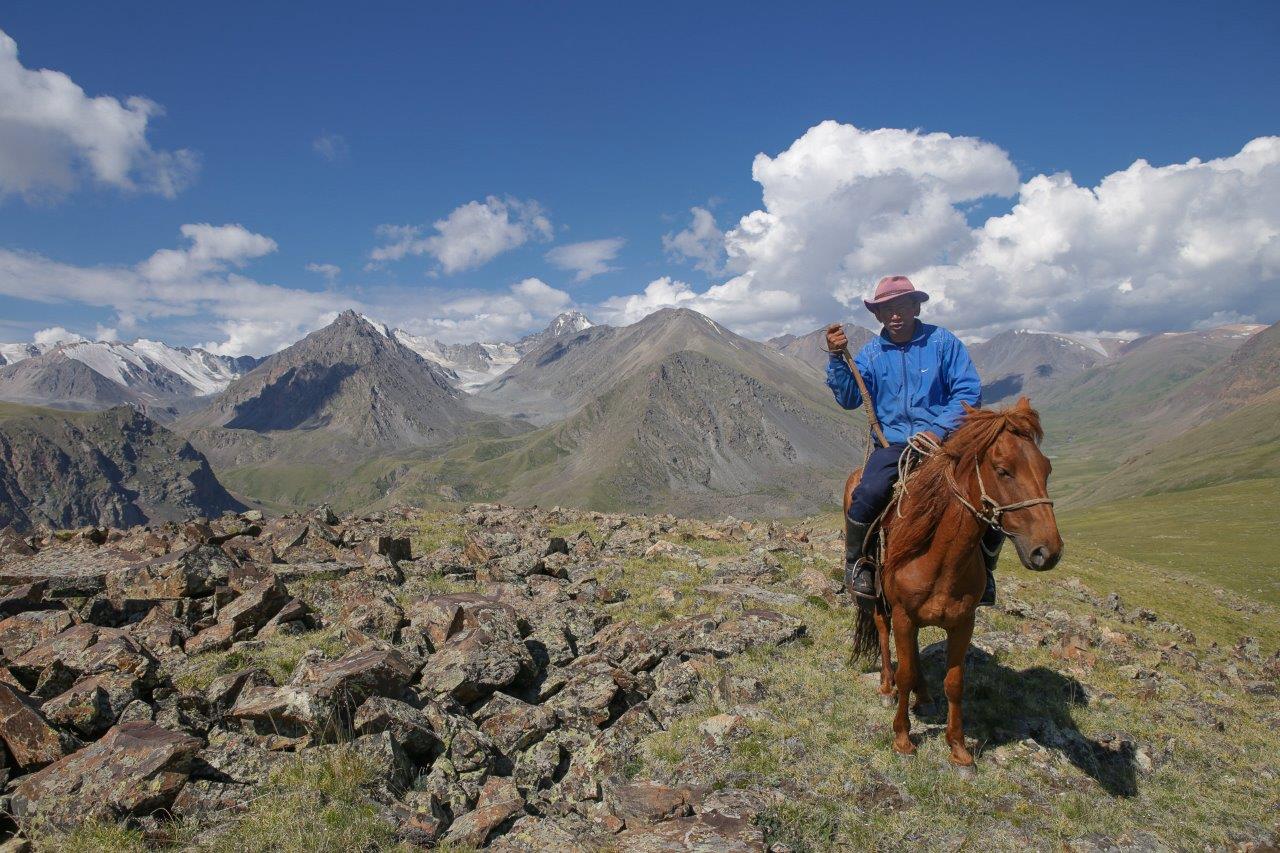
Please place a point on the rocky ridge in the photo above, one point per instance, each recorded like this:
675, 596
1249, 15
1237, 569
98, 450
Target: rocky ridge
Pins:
116, 467
487, 677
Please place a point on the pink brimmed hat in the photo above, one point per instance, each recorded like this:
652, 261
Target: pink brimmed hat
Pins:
891, 287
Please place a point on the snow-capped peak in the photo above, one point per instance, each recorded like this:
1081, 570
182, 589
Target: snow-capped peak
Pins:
151, 366
568, 322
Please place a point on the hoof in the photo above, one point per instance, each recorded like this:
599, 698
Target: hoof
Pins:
908, 752
888, 700
965, 771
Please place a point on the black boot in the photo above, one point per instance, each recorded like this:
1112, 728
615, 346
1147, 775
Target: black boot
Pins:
859, 573
991, 542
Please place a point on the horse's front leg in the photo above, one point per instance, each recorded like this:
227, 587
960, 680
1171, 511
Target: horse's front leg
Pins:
923, 700
957, 645
904, 635
886, 656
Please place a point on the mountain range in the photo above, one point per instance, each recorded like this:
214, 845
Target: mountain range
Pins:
97, 374
471, 365
674, 412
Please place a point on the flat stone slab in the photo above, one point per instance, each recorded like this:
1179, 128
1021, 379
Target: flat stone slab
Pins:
69, 573
751, 592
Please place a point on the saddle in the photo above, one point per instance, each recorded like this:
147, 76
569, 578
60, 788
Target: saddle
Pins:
919, 448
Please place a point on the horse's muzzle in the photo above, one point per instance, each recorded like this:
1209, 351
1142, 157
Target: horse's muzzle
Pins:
1042, 559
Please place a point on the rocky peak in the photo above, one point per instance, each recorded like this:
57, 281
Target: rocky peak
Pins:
566, 323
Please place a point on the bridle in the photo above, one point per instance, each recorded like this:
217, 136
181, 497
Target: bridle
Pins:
991, 512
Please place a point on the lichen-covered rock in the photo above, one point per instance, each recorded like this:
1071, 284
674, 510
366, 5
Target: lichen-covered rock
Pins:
499, 801
647, 802
32, 742
314, 700
412, 729
709, 831
94, 704
22, 632
189, 573
474, 663
136, 769
754, 628
442, 616
512, 715
513, 725
246, 614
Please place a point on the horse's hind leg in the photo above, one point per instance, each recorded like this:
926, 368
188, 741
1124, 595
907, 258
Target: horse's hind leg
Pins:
886, 658
904, 635
957, 644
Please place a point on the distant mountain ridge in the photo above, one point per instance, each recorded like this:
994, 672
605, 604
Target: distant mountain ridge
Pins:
811, 347
350, 379
1023, 363
473, 364
145, 373
112, 468
672, 411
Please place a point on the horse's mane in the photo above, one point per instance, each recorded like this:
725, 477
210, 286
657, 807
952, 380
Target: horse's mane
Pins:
929, 493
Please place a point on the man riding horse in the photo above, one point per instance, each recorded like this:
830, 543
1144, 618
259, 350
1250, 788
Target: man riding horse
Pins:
919, 378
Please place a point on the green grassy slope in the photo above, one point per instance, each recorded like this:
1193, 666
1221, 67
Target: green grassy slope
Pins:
1221, 535
822, 740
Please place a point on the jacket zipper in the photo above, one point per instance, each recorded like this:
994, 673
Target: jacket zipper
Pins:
906, 407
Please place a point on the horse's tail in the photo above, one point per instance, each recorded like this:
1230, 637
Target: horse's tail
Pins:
866, 639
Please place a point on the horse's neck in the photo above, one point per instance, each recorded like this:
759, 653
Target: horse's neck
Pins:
962, 530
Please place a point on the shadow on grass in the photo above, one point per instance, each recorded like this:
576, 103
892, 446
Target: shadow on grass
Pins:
1003, 705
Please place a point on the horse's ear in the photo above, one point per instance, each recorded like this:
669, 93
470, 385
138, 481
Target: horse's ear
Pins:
968, 410
1023, 404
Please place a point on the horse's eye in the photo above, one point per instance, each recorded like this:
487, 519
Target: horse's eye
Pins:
1002, 471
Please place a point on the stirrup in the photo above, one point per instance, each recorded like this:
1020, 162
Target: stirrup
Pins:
851, 575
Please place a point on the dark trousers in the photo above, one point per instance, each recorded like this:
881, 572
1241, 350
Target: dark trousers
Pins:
874, 490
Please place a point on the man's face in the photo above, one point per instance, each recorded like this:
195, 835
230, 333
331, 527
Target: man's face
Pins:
898, 314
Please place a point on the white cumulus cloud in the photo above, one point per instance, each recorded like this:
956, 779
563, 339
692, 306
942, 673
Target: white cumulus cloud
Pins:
702, 242
470, 236
52, 135
747, 309
55, 335
587, 259
194, 284
212, 247
461, 317
1150, 248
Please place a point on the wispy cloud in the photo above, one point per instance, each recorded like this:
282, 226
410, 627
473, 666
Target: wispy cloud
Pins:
587, 259
331, 147
197, 282
329, 271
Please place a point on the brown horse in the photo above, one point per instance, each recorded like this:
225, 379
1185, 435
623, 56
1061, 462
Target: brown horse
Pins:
990, 471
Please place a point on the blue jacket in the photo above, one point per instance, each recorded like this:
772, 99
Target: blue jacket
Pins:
915, 386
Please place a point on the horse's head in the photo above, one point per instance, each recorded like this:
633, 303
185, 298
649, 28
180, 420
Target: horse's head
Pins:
1014, 470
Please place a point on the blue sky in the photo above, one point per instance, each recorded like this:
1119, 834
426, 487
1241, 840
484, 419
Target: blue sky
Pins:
614, 123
